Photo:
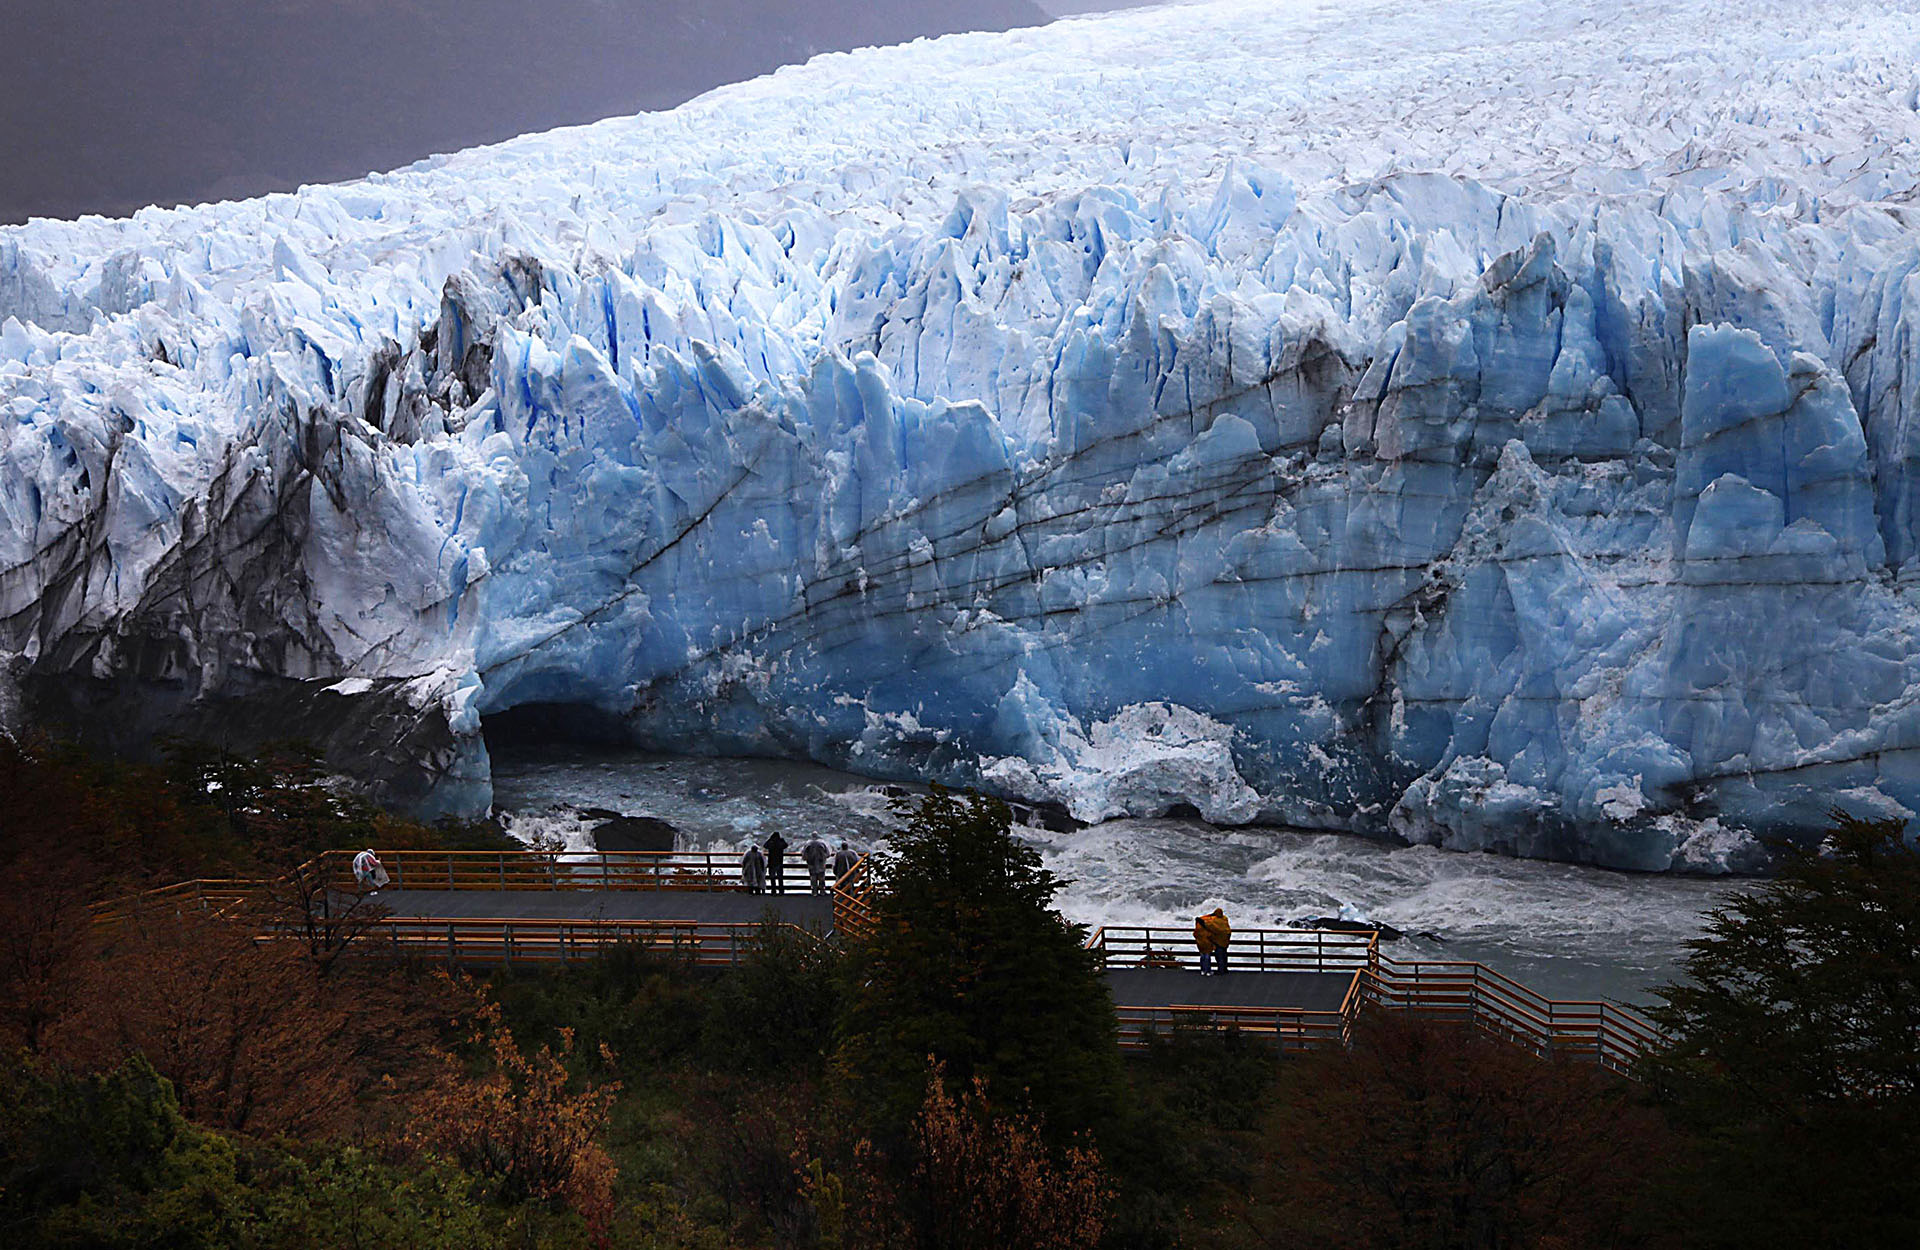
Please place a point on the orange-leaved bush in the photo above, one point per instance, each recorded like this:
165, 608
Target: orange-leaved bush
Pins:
521, 1123
975, 1179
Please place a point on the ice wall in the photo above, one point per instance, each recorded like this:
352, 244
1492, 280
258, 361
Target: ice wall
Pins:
1490, 427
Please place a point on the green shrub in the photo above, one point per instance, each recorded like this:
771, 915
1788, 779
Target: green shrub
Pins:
109, 1161
350, 1199
775, 1012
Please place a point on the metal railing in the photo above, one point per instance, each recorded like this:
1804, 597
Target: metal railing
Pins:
1138, 947
1251, 950
214, 896
496, 941
554, 870
1470, 993
1286, 1028
1461, 992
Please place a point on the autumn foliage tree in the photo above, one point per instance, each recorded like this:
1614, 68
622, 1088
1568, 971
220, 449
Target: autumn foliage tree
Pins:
239, 1019
973, 1178
249, 1039
46, 930
985, 1180
249, 1033
520, 1121
72, 832
115, 826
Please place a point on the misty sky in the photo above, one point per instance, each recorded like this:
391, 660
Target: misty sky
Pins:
109, 105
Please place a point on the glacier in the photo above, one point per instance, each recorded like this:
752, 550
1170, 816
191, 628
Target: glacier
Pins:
1488, 424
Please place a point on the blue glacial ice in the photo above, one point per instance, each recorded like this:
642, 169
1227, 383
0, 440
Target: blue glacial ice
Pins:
1492, 425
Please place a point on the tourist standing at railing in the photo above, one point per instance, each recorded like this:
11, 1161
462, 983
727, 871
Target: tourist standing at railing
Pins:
815, 854
369, 871
1211, 933
777, 863
844, 860
753, 870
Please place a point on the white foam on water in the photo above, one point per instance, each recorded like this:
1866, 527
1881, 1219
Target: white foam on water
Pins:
1566, 930
714, 804
1574, 931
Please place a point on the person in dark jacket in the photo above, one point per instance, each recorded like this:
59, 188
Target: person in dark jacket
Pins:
776, 863
815, 855
843, 860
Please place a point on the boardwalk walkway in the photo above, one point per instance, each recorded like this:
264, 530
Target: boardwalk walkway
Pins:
694, 906
1132, 987
1170, 987
1299, 988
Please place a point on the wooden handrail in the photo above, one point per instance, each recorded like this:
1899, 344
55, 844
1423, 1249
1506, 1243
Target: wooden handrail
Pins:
853, 917
1484, 983
517, 870
1476, 970
547, 870
1611, 1034
214, 895
509, 940
1292, 1029
1257, 950
1473, 993
554, 870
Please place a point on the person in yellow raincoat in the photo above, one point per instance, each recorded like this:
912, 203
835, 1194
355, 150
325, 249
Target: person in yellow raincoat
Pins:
1211, 933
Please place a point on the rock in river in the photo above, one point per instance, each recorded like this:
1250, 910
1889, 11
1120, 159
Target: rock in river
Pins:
634, 833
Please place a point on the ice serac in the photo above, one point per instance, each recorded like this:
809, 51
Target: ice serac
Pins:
1488, 424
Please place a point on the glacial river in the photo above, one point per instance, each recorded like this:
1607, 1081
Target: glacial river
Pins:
1568, 932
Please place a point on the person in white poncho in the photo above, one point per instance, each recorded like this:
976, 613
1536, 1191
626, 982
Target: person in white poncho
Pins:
753, 869
815, 855
369, 871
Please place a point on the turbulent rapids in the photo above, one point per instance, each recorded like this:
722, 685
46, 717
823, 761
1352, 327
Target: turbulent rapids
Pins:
1489, 425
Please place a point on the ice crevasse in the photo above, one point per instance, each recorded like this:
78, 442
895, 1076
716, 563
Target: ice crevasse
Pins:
1487, 424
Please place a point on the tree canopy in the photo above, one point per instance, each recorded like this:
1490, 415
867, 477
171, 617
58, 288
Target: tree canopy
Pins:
971, 968
1794, 1045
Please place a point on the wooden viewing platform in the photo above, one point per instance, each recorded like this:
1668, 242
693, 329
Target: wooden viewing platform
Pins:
1297, 988
729, 907
481, 926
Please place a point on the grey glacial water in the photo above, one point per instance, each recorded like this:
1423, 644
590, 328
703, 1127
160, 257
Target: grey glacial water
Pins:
1567, 931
